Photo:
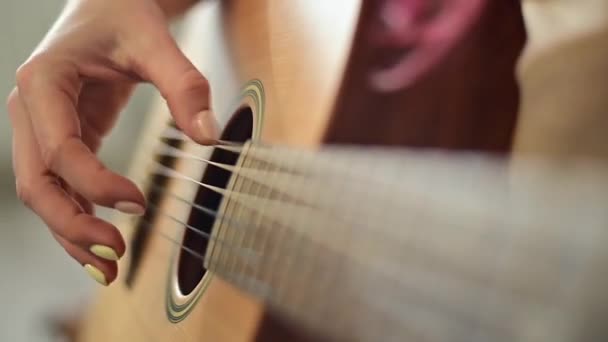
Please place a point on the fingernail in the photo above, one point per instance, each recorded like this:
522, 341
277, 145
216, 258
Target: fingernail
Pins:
104, 252
130, 208
207, 126
96, 274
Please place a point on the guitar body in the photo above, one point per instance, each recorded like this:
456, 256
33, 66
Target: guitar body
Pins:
268, 46
292, 73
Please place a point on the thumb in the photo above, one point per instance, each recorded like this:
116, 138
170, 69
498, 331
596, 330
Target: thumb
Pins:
184, 88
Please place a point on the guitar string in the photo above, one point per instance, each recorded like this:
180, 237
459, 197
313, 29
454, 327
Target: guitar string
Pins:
190, 251
255, 174
240, 251
159, 169
171, 151
171, 173
178, 154
205, 210
174, 174
148, 223
234, 147
155, 209
243, 278
263, 152
180, 176
419, 299
227, 194
175, 134
199, 256
207, 236
229, 275
324, 160
167, 150
168, 172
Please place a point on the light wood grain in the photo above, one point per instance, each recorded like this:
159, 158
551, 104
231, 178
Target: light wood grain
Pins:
231, 43
299, 51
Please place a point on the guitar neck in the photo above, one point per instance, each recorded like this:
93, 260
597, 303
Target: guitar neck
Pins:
399, 237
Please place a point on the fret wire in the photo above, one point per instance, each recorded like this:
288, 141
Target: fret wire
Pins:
283, 293
240, 250
149, 223
245, 187
269, 232
323, 280
240, 210
263, 231
215, 255
374, 216
308, 257
323, 276
510, 239
278, 236
357, 269
351, 206
240, 186
524, 242
224, 255
245, 172
316, 256
340, 217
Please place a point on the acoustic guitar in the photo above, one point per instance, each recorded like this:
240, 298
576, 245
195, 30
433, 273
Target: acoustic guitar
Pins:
332, 211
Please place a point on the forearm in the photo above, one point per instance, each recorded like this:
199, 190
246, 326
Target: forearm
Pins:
174, 8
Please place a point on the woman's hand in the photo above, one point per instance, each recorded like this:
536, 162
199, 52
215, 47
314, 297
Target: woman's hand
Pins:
67, 98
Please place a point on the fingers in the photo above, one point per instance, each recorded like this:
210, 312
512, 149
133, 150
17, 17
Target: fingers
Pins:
40, 190
425, 37
184, 88
103, 271
49, 96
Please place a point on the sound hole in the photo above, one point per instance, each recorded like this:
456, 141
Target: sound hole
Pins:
191, 269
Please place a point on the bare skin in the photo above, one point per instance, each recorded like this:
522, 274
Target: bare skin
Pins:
67, 98
71, 89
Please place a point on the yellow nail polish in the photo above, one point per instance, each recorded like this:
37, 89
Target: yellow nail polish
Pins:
96, 274
104, 252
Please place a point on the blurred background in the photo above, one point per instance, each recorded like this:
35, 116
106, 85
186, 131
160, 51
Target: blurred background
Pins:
37, 278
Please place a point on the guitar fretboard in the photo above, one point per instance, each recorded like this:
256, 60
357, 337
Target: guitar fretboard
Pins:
376, 244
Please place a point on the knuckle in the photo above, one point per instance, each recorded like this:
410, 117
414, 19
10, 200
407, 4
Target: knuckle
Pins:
50, 154
190, 85
70, 229
24, 192
99, 193
12, 101
72, 233
193, 82
71, 251
52, 150
27, 73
